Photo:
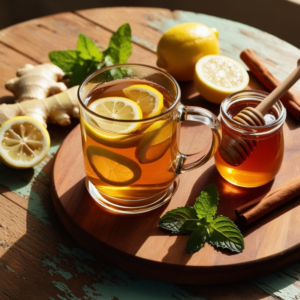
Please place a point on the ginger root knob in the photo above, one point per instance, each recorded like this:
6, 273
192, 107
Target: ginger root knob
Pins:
57, 109
36, 82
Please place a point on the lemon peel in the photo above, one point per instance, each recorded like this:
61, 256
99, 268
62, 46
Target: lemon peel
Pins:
183, 45
117, 108
148, 98
113, 168
155, 142
218, 76
108, 138
24, 142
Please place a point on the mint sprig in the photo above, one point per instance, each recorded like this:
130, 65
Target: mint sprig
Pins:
202, 223
87, 58
207, 203
179, 219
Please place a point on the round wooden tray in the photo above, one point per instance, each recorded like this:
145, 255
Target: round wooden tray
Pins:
136, 244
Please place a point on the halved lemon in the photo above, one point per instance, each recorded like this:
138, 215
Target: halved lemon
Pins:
113, 168
117, 108
218, 76
148, 98
24, 142
155, 142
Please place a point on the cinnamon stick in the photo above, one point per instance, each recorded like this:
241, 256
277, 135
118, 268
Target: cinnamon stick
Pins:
291, 100
262, 205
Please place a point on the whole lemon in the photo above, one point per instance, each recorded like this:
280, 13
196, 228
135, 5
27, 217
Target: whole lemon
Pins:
183, 45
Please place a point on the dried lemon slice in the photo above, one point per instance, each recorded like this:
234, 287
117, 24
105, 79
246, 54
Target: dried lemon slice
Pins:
218, 76
113, 168
24, 142
148, 98
117, 108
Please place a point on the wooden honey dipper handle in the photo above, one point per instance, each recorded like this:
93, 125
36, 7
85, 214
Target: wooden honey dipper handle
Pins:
282, 88
235, 151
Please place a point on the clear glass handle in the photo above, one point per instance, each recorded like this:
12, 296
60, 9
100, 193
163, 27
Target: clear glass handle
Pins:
205, 117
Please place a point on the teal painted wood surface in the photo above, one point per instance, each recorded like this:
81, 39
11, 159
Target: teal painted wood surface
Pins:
38, 259
234, 37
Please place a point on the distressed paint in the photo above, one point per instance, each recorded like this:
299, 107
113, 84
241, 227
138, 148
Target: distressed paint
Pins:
70, 263
23, 186
8, 268
54, 269
111, 283
145, 43
244, 36
67, 292
278, 284
293, 271
35, 206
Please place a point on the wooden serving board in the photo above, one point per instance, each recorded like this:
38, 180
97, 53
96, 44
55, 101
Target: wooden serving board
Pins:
136, 244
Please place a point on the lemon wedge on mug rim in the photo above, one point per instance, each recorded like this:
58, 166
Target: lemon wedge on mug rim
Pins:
217, 76
117, 108
148, 98
24, 142
113, 168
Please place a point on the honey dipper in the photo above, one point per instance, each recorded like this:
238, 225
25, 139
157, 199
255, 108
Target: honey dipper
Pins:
236, 150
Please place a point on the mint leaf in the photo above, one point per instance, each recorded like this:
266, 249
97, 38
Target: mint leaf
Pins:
207, 202
120, 47
174, 219
201, 222
190, 225
73, 65
81, 70
87, 58
88, 49
196, 240
223, 233
64, 59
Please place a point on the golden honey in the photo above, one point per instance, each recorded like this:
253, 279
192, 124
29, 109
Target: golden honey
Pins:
263, 163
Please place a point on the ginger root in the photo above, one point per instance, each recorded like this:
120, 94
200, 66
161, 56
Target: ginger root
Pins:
36, 82
56, 109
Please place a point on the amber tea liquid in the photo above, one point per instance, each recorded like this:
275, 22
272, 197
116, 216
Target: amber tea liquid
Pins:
265, 160
135, 166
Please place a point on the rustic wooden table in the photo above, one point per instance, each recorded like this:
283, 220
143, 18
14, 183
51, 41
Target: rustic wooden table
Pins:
38, 259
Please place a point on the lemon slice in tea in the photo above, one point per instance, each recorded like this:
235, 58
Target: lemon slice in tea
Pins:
155, 142
117, 108
110, 139
148, 98
218, 76
24, 142
113, 168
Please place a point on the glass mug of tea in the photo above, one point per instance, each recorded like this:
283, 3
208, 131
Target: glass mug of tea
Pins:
132, 165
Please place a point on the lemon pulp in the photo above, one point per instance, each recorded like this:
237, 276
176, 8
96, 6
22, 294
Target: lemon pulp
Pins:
149, 99
24, 142
113, 168
155, 142
218, 76
117, 108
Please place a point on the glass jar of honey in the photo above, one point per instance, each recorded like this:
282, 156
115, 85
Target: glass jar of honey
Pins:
258, 150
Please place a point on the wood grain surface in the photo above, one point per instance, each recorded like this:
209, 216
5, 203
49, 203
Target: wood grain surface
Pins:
38, 259
136, 244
